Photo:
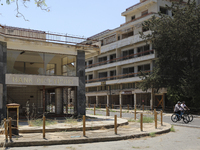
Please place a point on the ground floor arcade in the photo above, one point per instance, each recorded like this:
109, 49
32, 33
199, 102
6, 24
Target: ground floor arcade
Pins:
126, 99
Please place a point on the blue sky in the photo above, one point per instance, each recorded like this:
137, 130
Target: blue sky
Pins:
76, 17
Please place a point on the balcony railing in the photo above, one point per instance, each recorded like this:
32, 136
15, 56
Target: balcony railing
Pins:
120, 58
42, 35
129, 75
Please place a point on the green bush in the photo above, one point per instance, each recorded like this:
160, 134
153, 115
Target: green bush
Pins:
147, 119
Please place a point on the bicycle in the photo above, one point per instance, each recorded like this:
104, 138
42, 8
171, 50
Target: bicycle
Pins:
176, 117
190, 116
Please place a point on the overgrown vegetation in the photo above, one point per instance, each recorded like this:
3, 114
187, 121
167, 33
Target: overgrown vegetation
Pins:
39, 122
152, 134
172, 129
147, 119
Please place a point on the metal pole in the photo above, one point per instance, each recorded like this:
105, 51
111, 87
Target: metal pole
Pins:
120, 111
6, 132
135, 113
161, 115
156, 120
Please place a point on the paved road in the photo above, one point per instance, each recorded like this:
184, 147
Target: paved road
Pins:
183, 139
166, 118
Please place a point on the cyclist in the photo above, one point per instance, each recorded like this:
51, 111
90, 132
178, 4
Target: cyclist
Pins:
184, 106
178, 109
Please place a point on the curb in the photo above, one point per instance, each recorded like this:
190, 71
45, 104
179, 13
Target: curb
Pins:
80, 141
185, 125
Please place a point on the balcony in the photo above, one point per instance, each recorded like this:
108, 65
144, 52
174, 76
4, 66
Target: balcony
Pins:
121, 60
124, 42
122, 76
138, 5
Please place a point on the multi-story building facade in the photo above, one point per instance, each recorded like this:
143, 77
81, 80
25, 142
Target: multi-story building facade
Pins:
112, 75
39, 69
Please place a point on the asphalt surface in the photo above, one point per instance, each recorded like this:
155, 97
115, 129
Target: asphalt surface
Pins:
183, 138
166, 117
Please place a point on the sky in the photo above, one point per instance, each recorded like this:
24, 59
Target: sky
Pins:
74, 17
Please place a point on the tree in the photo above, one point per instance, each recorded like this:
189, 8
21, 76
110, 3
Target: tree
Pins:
40, 3
176, 41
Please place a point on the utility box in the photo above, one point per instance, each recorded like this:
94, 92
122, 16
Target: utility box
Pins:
13, 112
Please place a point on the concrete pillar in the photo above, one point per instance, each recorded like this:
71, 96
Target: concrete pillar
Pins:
58, 101
95, 60
65, 96
120, 98
118, 53
135, 52
95, 75
80, 90
3, 88
87, 101
135, 99
97, 100
118, 70
135, 70
108, 96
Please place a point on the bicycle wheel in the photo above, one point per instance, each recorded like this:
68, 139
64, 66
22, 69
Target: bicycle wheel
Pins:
174, 118
186, 118
190, 117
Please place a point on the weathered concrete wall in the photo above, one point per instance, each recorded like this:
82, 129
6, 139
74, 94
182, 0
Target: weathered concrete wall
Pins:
80, 91
3, 89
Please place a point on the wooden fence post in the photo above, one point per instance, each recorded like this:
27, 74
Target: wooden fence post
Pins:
83, 125
143, 107
6, 131
99, 105
10, 128
43, 127
141, 122
115, 124
156, 120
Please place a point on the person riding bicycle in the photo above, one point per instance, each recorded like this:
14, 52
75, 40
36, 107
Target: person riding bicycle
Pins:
184, 106
178, 109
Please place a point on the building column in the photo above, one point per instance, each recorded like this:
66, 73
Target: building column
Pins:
120, 99
58, 101
135, 99
108, 100
65, 98
97, 101
80, 90
87, 101
3, 88
135, 70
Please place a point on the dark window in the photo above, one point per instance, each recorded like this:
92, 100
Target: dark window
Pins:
113, 56
128, 53
103, 75
128, 71
145, 67
133, 17
118, 38
126, 35
103, 60
144, 29
143, 50
90, 76
163, 10
113, 73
